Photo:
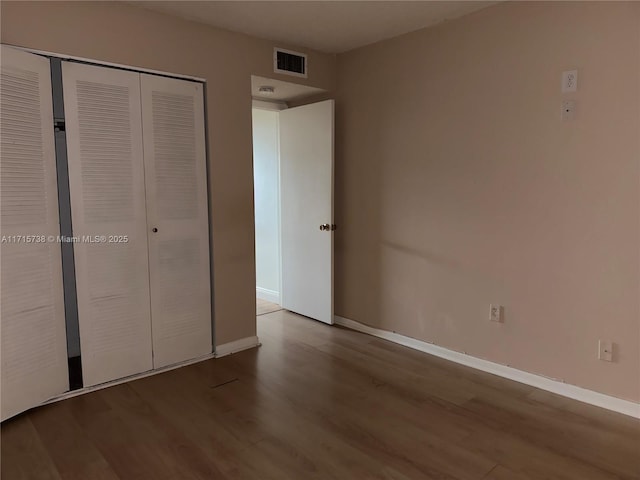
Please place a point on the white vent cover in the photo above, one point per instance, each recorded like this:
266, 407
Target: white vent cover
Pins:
288, 62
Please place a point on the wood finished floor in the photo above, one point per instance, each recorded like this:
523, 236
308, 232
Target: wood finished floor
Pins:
320, 402
263, 307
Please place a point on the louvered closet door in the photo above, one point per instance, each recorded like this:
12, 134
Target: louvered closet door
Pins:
34, 353
106, 181
175, 174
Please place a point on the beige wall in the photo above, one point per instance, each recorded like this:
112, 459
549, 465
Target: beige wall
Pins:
129, 35
458, 186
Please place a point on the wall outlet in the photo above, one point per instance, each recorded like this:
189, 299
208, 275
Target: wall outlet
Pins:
605, 350
569, 81
495, 313
568, 110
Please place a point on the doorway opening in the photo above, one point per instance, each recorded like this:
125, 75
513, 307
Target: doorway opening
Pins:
279, 113
266, 194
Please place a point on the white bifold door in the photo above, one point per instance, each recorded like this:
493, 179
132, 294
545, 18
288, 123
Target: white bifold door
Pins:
34, 352
137, 180
108, 215
177, 217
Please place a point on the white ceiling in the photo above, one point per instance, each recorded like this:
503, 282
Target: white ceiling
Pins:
327, 26
283, 91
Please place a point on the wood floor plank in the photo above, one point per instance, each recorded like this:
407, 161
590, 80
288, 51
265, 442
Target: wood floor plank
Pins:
171, 447
596, 416
23, 455
263, 306
580, 442
426, 452
502, 473
320, 402
66, 442
267, 426
530, 460
314, 427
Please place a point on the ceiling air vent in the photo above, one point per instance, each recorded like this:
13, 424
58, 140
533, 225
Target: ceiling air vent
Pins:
289, 63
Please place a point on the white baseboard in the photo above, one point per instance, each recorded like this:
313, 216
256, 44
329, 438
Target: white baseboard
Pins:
236, 346
619, 405
268, 295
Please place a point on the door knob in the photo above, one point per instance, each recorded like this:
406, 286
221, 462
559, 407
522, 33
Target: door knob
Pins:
154, 229
325, 227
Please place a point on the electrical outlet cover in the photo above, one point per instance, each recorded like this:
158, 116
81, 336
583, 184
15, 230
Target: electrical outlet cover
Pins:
568, 110
495, 312
605, 350
570, 81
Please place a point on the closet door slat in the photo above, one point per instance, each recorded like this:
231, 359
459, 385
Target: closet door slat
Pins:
106, 181
176, 186
34, 353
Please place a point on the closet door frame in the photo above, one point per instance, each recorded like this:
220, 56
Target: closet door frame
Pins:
192, 78
80, 389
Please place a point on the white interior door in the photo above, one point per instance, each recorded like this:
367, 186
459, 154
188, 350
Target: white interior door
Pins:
177, 218
106, 182
34, 351
306, 196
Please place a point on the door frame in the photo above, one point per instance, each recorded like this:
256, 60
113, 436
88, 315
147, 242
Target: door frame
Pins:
279, 106
273, 107
120, 66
